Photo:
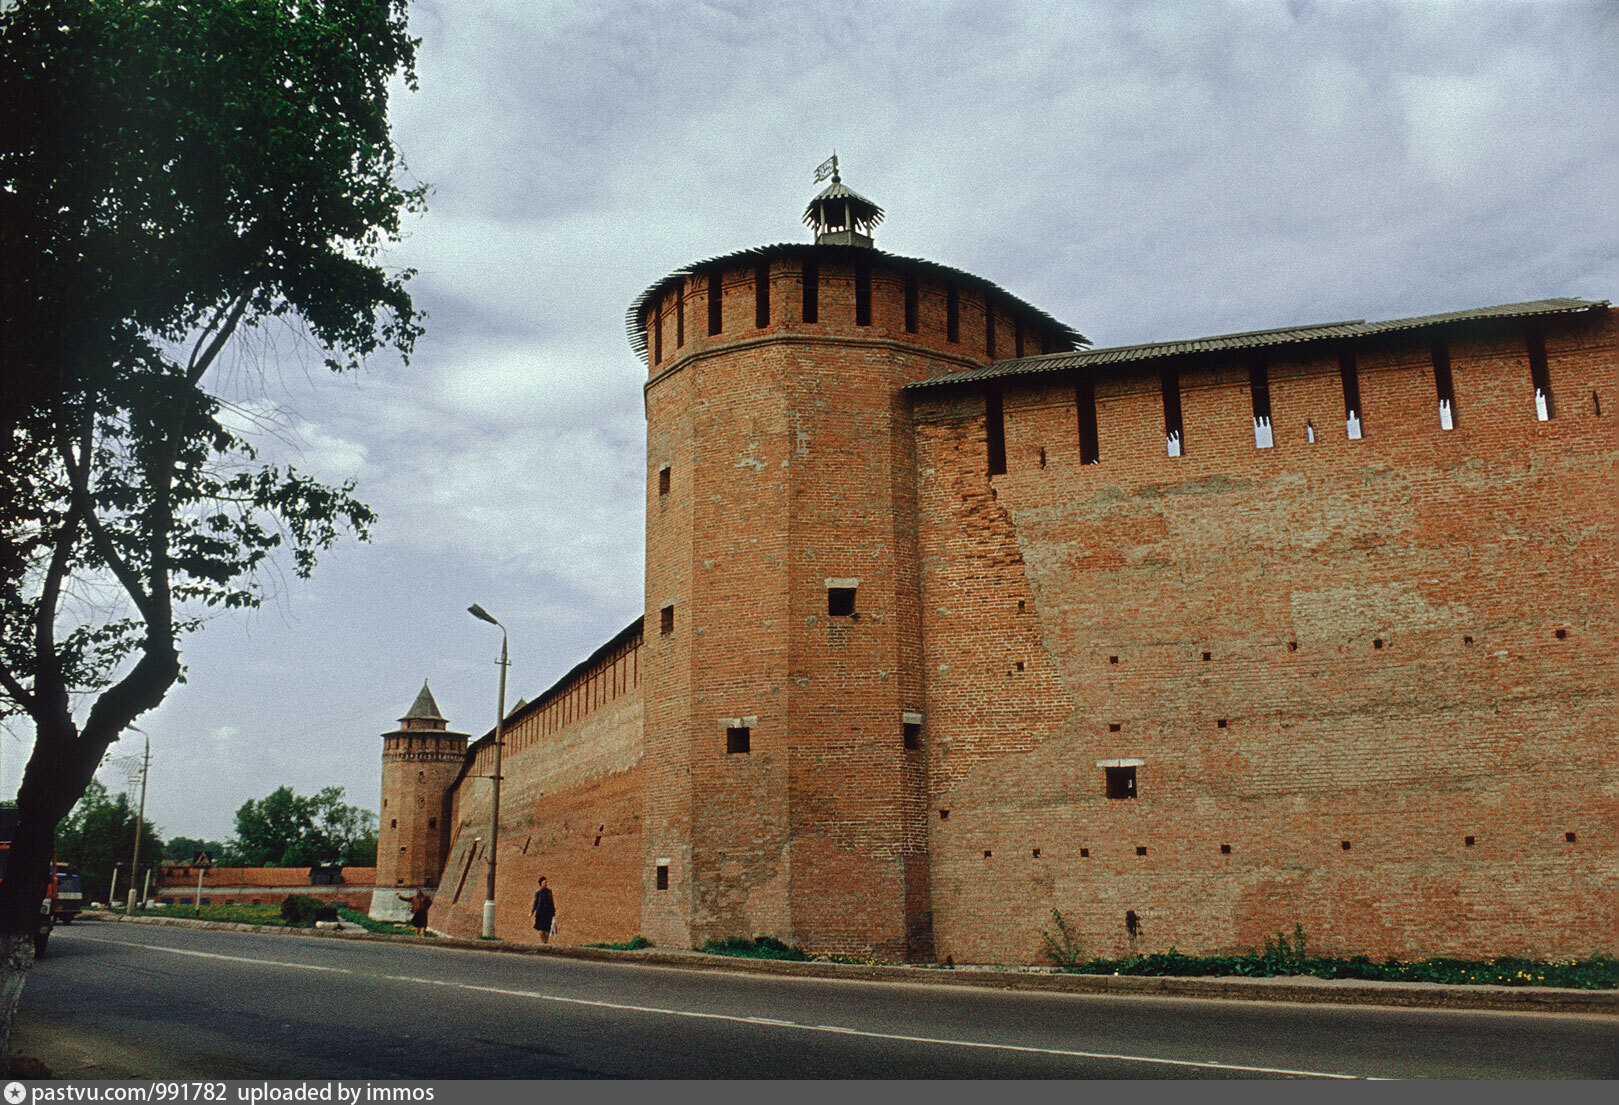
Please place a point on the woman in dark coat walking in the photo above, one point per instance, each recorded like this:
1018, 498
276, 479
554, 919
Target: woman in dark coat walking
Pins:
545, 912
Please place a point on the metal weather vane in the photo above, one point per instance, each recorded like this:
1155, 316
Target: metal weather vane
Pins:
827, 168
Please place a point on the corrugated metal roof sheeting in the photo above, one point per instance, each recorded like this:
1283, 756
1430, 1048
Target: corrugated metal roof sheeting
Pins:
637, 335
1252, 339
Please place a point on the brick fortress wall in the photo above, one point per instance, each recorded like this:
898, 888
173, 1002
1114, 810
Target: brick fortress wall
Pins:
570, 809
1368, 686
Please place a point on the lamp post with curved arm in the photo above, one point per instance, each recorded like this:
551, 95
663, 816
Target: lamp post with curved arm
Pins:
494, 804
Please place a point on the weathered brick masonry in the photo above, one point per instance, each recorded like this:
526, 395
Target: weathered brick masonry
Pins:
924, 582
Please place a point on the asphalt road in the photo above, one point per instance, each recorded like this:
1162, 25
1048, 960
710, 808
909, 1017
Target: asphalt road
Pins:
171, 1003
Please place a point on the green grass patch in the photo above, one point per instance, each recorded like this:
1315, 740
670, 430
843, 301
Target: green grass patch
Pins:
760, 947
1599, 973
633, 944
269, 914
385, 928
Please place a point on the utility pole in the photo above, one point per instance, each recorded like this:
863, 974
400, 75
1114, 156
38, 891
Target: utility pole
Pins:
494, 805
140, 819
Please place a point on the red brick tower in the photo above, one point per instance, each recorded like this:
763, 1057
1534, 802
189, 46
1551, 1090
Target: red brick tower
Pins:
785, 778
420, 761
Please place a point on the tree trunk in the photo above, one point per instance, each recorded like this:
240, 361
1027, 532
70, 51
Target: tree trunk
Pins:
16, 956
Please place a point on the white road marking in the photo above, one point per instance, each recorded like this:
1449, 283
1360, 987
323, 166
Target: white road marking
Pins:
841, 1030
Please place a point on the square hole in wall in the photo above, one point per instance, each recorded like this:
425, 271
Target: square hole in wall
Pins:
1468, 841
1569, 837
1114, 726
1562, 634
1221, 724
1292, 646
1021, 606
1378, 643
393, 823
944, 815
1084, 853
1225, 849
988, 853
1208, 656
840, 602
1141, 850
1344, 844
1121, 782
1467, 640
1020, 665
1037, 853
1113, 659
912, 735
738, 739
663, 876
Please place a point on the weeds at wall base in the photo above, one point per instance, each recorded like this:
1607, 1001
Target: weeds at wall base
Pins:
633, 944
762, 947
1597, 973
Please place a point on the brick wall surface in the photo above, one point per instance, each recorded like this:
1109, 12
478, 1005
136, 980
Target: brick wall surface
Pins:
1374, 622
570, 809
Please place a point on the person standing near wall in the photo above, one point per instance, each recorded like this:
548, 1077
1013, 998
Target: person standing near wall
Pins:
544, 911
418, 910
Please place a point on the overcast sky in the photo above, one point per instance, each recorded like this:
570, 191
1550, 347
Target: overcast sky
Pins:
1141, 172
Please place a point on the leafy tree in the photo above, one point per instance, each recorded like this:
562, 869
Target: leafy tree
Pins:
286, 830
99, 833
171, 177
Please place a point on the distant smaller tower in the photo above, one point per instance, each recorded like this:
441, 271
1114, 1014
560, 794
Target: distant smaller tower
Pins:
420, 761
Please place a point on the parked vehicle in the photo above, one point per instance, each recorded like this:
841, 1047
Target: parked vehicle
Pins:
66, 893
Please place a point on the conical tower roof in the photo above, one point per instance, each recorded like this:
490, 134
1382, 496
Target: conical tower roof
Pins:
424, 708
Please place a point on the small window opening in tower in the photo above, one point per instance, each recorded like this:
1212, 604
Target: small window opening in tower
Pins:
1259, 391
680, 314
1596, 404
663, 876
862, 293
1017, 336
666, 619
1444, 386
989, 327
393, 823
995, 432
952, 313
913, 305
657, 335
1090, 450
1169, 383
716, 292
1351, 381
912, 735
812, 290
1309, 432
761, 295
1121, 782
840, 602
432, 822
1545, 410
663, 480
738, 740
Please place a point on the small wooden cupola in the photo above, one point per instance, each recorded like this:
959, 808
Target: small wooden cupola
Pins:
840, 216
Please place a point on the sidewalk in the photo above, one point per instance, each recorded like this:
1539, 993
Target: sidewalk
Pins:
1295, 988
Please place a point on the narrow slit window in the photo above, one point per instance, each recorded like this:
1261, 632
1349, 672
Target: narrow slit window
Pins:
716, 291
812, 291
738, 740
657, 334
912, 304
1174, 432
840, 602
663, 480
1444, 385
862, 294
663, 876
1351, 380
995, 432
912, 735
1259, 390
761, 295
1090, 451
1121, 782
680, 314
989, 327
952, 313
666, 619
1544, 410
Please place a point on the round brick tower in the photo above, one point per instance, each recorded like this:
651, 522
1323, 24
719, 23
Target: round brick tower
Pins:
420, 761
785, 786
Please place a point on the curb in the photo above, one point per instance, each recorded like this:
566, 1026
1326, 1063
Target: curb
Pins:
1416, 995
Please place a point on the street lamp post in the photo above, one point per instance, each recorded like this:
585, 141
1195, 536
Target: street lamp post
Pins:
493, 846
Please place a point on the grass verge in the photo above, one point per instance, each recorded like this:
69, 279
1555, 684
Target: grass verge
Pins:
633, 944
762, 947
